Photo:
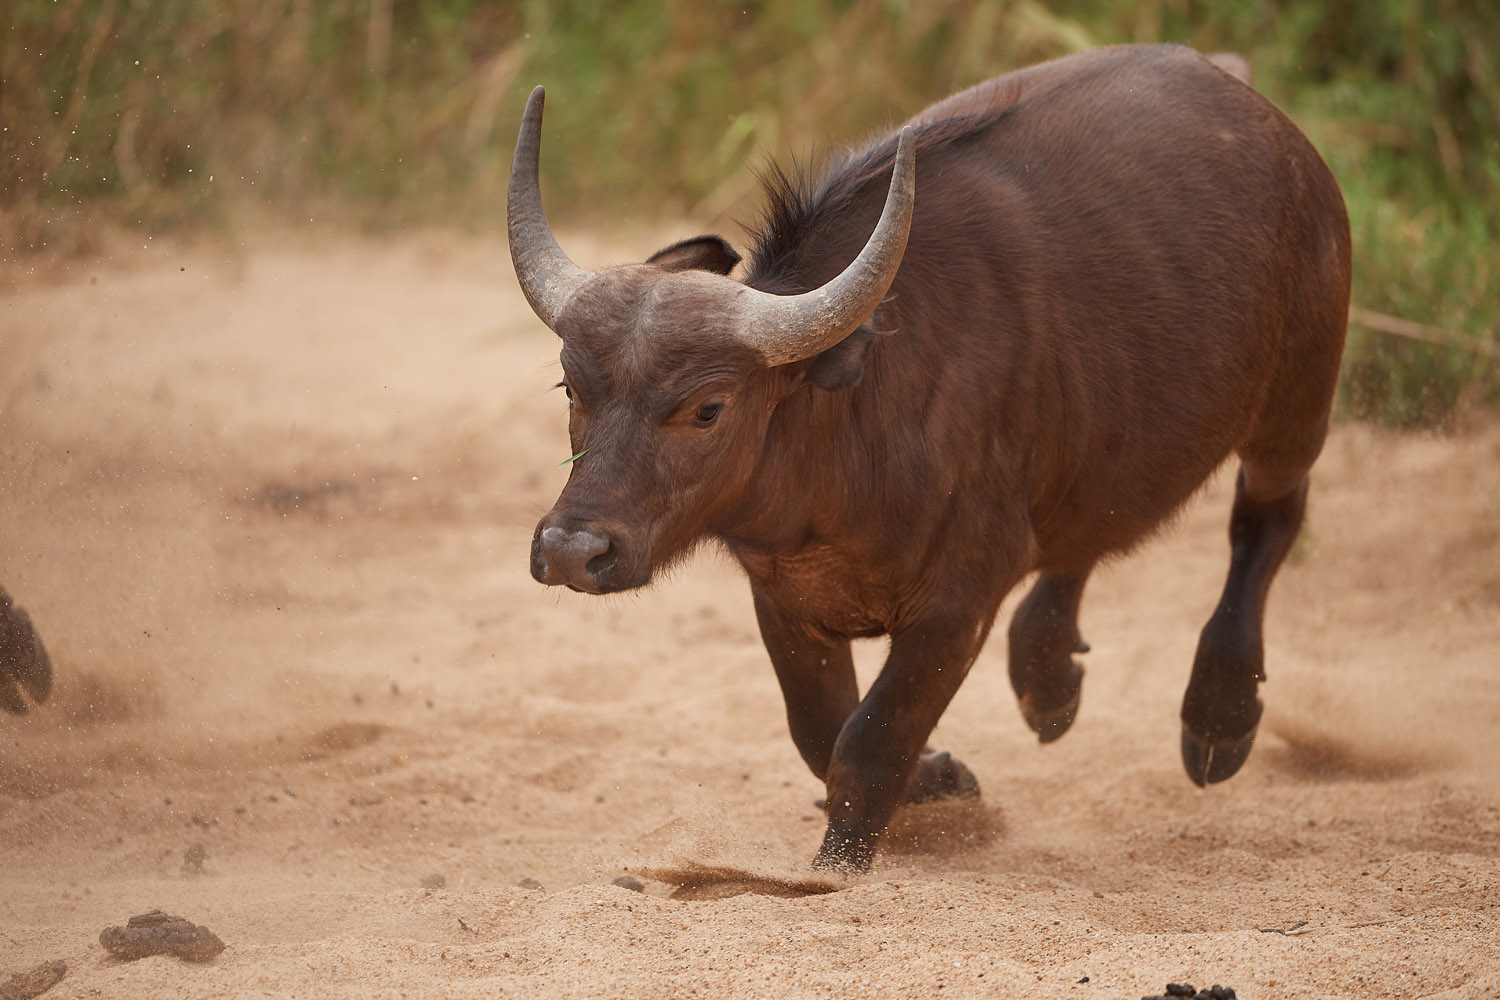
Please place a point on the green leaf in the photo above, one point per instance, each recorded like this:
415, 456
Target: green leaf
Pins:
573, 459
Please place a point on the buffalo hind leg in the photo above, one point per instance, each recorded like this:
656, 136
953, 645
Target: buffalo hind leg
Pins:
1043, 638
1221, 709
820, 690
940, 775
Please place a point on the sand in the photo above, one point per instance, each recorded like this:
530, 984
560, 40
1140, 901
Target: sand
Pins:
271, 508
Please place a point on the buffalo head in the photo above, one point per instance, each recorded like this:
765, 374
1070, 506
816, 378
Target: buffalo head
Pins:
672, 371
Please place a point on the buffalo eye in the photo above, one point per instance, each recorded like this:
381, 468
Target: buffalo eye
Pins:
567, 389
707, 414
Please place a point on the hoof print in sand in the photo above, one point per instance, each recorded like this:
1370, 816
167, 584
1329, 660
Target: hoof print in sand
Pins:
34, 981
158, 933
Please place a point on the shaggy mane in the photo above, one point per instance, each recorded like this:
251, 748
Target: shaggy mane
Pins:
803, 203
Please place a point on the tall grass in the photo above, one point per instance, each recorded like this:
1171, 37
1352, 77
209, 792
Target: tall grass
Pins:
159, 114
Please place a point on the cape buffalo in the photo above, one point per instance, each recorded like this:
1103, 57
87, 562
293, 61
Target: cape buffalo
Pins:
1088, 283
24, 664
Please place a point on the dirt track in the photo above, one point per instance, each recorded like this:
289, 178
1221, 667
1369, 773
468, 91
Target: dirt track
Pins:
272, 514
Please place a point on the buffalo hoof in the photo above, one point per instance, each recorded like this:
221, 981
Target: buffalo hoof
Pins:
24, 664
844, 855
940, 775
1209, 762
1050, 724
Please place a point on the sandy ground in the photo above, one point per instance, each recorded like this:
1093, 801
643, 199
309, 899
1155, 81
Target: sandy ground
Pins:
271, 509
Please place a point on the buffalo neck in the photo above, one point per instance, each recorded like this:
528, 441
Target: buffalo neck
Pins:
846, 465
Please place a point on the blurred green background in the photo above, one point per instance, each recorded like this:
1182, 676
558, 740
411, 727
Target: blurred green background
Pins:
162, 115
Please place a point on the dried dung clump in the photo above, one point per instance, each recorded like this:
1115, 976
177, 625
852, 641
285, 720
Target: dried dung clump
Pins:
158, 933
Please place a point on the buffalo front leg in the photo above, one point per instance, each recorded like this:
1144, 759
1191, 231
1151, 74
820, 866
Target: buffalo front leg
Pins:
817, 680
1221, 709
1043, 638
880, 755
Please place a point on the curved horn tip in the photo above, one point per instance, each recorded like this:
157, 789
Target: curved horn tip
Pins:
792, 328
906, 148
547, 276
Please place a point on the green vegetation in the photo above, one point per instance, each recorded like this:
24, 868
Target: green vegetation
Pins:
162, 114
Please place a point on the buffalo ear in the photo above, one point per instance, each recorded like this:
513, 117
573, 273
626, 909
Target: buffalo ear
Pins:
702, 253
842, 366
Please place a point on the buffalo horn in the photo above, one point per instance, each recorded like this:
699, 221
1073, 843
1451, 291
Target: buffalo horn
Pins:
546, 274
788, 328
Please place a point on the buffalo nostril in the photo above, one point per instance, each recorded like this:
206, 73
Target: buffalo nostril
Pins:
538, 561
600, 564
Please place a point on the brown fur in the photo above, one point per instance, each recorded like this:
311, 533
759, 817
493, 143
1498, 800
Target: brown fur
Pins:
1123, 267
